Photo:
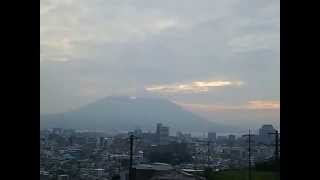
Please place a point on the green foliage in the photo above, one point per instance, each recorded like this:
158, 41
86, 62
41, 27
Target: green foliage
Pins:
271, 165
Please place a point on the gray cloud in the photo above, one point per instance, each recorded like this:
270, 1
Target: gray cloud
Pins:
91, 49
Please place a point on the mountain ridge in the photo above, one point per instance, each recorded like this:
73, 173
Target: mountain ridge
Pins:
128, 112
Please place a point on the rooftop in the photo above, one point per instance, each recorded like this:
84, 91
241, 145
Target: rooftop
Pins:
154, 166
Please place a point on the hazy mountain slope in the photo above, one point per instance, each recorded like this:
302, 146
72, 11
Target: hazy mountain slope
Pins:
125, 113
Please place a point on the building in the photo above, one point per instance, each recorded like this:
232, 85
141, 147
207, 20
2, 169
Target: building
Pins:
160, 171
264, 134
108, 141
57, 131
162, 134
138, 133
124, 175
63, 177
181, 137
98, 172
222, 139
149, 138
232, 138
91, 140
212, 136
265, 129
264, 152
238, 153
44, 175
69, 132
159, 125
101, 142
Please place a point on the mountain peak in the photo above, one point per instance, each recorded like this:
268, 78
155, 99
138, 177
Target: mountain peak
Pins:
128, 112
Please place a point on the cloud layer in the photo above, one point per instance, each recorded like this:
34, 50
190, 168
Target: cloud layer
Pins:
193, 87
192, 52
250, 105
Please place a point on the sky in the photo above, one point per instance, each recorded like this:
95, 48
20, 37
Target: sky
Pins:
217, 58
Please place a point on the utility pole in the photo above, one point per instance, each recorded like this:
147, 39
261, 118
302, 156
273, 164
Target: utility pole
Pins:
249, 150
208, 150
131, 154
131, 138
276, 152
208, 158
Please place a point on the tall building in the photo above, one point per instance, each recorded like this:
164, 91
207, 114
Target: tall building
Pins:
101, 142
212, 136
159, 125
264, 134
232, 138
162, 134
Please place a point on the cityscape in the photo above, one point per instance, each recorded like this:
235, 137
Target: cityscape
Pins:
71, 154
160, 90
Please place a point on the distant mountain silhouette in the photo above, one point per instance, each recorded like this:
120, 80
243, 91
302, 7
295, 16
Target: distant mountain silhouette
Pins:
126, 113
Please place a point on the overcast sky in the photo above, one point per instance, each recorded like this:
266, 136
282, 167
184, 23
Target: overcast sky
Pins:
218, 58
